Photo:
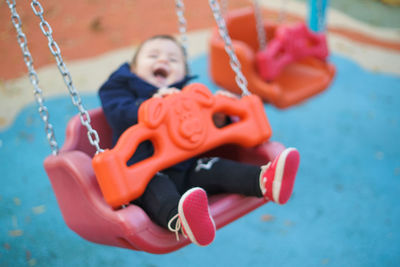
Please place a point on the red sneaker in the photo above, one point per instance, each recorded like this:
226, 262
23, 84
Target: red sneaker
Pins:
277, 178
195, 218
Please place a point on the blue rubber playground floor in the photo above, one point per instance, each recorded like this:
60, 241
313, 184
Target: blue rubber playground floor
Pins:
344, 212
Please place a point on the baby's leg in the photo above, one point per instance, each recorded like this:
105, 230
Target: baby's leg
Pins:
160, 199
168, 208
217, 175
273, 181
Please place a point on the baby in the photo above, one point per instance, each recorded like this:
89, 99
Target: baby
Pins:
176, 198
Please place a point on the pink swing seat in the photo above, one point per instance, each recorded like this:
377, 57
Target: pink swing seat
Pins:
86, 212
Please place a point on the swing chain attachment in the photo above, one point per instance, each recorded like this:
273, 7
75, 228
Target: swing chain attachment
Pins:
262, 40
75, 97
33, 77
234, 62
180, 9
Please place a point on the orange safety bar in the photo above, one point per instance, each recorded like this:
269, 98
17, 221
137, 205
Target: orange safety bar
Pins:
180, 126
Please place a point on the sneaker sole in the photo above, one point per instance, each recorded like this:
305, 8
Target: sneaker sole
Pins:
193, 204
287, 166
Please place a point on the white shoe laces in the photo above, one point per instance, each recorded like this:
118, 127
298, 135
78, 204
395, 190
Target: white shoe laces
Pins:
177, 228
263, 181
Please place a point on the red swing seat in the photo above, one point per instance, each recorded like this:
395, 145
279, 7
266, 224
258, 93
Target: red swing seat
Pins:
86, 211
297, 81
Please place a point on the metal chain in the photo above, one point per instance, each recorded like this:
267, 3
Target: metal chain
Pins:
262, 40
234, 62
38, 94
180, 9
75, 97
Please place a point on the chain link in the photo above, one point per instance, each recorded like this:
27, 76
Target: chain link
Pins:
262, 40
38, 94
75, 97
234, 62
180, 9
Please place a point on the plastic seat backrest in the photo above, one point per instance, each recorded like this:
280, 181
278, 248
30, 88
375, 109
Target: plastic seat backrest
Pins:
76, 133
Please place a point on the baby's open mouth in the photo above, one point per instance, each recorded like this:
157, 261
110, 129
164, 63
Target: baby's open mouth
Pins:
160, 73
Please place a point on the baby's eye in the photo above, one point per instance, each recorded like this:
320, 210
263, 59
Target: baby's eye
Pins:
152, 55
173, 59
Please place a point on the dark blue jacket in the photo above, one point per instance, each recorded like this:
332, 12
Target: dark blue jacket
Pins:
121, 96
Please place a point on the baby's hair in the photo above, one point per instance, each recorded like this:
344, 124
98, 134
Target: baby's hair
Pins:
166, 37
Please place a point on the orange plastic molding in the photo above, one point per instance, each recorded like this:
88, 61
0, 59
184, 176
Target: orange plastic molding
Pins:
180, 126
296, 82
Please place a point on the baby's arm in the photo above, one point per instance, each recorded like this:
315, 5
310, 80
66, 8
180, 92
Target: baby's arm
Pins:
119, 104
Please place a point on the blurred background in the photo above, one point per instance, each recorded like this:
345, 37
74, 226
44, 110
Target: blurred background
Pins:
344, 210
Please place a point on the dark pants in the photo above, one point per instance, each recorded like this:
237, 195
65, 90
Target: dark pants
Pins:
215, 175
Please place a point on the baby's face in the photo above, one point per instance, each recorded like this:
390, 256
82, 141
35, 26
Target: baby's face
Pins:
160, 62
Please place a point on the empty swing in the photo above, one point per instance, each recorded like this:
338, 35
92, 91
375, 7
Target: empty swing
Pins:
92, 199
284, 64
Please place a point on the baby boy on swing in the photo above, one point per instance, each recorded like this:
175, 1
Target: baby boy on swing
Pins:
176, 198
